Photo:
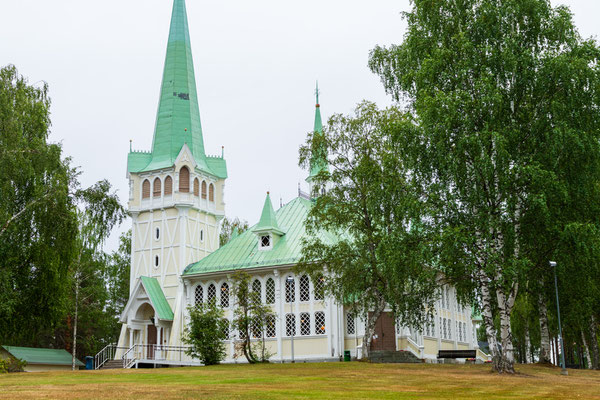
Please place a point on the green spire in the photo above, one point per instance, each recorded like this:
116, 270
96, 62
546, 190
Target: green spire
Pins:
318, 161
268, 220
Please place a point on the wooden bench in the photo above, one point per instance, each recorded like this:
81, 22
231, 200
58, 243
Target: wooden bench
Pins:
457, 354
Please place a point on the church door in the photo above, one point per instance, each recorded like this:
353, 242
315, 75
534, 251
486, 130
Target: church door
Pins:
384, 337
151, 341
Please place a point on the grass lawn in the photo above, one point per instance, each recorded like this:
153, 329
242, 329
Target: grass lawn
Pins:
308, 381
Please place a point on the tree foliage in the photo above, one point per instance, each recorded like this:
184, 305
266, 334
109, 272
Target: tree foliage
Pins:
231, 227
205, 333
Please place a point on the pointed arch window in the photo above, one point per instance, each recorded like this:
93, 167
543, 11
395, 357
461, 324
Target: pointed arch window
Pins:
198, 295
319, 288
157, 188
204, 190
184, 180
270, 291
146, 189
304, 288
211, 293
168, 186
224, 295
196, 187
257, 288
211, 192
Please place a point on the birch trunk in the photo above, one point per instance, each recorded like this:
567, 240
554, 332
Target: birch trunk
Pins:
75, 322
544, 332
370, 329
488, 319
505, 306
594, 343
528, 359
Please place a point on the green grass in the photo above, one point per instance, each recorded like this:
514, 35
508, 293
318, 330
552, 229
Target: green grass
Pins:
306, 381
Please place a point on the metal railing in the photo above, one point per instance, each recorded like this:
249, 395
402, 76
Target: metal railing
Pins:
154, 352
108, 353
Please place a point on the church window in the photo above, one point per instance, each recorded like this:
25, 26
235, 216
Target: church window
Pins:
196, 187
184, 180
449, 329
290, 291
157, 233
304, 324
146, 189
290, 325
464, 326
270, 325
211, 293
198, 295
211, 192
265, 241
320, 288
156, 261
204, 190
226, 330
320, 323
270, 291
304, 288
256, 328
350, 327
201, 235
224, 295
168, 186
444, 333
157, 188
257, 288
459, 328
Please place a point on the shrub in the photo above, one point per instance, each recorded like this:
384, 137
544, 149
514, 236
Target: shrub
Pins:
206, 332
11, 365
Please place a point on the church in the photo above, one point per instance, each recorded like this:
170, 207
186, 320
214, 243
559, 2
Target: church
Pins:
177, 203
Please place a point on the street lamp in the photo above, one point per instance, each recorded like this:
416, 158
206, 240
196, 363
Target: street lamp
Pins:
290, 284
560, 336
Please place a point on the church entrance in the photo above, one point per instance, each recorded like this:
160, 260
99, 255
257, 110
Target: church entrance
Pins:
384, 337
151, 341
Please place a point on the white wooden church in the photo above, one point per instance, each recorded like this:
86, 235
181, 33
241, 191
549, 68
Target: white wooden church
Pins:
177, 202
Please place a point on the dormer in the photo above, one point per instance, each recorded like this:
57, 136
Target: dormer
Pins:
267, 230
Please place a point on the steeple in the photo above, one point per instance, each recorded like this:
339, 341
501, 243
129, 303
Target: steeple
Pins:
318, 161
268, 219
178, 117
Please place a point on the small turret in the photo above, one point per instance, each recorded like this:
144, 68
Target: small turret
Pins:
267, 229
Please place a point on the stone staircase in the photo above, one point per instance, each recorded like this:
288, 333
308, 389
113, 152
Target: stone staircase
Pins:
113, 364
398, 357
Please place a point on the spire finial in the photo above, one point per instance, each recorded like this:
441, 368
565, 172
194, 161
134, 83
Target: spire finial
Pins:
130, 145
317, 92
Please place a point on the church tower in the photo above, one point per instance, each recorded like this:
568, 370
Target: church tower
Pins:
176, 191
318, 161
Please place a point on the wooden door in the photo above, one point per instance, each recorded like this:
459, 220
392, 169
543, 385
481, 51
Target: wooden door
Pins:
384, 337
151, 341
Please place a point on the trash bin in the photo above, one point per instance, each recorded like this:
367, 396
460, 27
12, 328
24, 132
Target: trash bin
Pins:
347, 356
89, 362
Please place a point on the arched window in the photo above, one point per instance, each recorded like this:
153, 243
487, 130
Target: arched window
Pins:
146, 189
304, 324
257, 287
290, 325
270, 291
319, 288
204, 190
320, 323
168, 186
304, 288
270, 326
196, 187
211, 192
156, 191
211, 293
350, 328
184, 180
290, 291
198, 295
224, 295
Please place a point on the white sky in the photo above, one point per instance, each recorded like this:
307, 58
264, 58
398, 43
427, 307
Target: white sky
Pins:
256, 63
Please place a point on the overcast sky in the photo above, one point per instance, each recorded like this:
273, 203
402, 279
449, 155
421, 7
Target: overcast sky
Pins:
256, 64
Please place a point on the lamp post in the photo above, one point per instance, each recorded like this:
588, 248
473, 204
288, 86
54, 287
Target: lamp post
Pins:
290, 283
560, 336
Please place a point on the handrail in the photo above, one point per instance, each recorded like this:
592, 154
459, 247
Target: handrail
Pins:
152, 352
106, 354
411, 344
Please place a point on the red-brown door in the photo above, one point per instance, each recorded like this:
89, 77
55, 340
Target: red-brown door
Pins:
384, 337
151, 341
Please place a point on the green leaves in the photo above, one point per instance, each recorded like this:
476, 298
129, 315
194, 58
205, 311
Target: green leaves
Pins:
205, 333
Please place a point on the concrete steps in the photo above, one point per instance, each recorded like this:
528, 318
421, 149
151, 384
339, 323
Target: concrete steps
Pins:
113, 364
395, 357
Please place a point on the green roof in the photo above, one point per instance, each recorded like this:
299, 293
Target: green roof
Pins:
178, 117
318, 162
242, 251
157, 298
42, 356
268, 219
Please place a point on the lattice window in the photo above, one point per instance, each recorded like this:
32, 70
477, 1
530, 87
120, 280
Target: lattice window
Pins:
256, 329
304, 288
257, 288
211, 192
350, 326
319, 287
196, 187
198, 295
290, 290
445, 334
184, 180
459, 328
146, 189
168, 186
157, 189
270, 291
320, 323
290, 325
226, 330
270, 330
224, 295
211, 293
464, 326
265, 241
440, 327
449, 329
304, 324
204, 190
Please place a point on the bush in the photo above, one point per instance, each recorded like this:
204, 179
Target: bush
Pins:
11, 365
206, 332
